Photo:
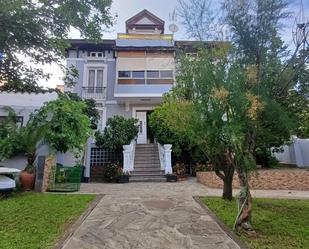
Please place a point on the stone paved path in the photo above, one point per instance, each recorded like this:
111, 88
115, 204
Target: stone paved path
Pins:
149, 216
155, 216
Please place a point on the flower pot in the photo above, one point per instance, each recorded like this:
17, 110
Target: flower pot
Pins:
171, 178
27, 180
181, 177
123, 179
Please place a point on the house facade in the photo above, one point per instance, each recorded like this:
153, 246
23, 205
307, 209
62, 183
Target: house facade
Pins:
128, 77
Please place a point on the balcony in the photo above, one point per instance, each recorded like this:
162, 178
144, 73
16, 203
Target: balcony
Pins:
96, 93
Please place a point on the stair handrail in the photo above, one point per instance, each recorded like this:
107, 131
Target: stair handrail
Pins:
128, 156
165, 154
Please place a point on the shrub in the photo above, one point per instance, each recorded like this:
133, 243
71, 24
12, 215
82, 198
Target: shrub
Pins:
199, 167
171, 123
119, 131
180, 169
112, 172
9, 135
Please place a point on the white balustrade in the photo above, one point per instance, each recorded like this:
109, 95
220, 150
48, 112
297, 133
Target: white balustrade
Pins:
165, 154
128, 156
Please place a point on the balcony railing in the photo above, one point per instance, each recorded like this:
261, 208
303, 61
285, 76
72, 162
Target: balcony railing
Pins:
97, 93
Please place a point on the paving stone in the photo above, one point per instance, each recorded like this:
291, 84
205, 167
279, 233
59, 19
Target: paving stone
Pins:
149, 216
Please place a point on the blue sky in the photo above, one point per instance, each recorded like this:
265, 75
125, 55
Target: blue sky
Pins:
161, 8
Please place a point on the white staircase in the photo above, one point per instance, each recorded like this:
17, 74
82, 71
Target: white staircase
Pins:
147, 164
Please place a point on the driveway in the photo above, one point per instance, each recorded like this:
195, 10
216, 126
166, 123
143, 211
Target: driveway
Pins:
149, 216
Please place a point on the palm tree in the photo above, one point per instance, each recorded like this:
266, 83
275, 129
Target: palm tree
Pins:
31, 137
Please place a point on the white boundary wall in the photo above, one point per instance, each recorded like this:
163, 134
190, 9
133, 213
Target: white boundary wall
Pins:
297, 153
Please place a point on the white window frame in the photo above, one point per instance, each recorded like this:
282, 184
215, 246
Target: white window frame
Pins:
96, 67
95, 55
145, 74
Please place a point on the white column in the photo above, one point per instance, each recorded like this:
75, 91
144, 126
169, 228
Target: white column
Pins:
126, 158
87, 158
168, 158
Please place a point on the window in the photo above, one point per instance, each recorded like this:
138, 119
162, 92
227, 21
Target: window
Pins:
146, 77
153, 74
96, 54
91, 78
166, 74
124, 74
99, 78
95, 78
138, 74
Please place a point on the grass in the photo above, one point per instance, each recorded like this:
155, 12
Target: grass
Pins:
280, 224
33, 220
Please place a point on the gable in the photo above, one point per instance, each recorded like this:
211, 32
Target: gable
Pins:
145, 21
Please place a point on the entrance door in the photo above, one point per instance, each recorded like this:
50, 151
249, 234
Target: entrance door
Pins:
142, 134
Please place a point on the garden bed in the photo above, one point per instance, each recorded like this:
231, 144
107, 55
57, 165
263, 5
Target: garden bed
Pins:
33, 220
279, 223
273, 179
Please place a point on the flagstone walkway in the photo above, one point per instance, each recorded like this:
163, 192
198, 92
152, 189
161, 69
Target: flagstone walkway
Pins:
151, 216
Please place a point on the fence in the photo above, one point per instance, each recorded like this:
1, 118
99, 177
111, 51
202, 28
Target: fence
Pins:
99, 158
297, 153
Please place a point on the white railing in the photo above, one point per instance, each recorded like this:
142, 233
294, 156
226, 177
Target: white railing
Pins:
96, 93
128, 156
165, 154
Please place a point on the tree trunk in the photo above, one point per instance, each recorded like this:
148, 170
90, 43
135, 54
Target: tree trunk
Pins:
243, 220
227, 188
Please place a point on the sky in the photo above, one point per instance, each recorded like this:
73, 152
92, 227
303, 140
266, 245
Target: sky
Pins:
125, 9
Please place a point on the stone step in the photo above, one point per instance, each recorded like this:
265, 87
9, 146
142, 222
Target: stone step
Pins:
147, 173
147, 161
150, 170
146, 158
147, 179
146, 152
146, 145
146, 165
146, 155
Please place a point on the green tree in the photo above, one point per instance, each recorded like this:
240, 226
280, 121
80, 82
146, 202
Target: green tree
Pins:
233, 113
65, 126
173, 123
119, 131
30, 138
37, 31
91, 111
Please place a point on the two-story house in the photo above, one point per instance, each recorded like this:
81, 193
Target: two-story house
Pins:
127, 76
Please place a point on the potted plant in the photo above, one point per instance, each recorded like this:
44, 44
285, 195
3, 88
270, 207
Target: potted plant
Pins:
123, 176
30, 136
180, 171
27, 177
171, 178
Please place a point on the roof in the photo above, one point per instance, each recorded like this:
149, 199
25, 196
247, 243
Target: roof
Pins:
156, 22
193, 46
143, 43
89, 44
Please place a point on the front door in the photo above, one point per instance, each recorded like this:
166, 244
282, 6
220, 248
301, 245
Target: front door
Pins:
142, 121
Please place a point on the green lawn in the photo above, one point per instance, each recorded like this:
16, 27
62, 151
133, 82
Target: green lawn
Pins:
34, 220
280, 224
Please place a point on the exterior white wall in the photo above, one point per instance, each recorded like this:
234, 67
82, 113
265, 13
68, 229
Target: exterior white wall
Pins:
26, 99
297, 153
24, 103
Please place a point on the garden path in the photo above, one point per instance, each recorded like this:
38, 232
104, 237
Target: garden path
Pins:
155, 216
